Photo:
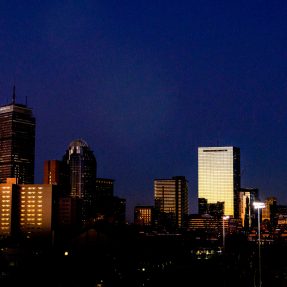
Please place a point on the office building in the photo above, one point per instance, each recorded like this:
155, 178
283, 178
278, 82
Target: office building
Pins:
104, 196
171, 202
52, 171
268, 213
27, 210
247, 212
213, 209
143, 215
219, 177
79, 168
17, 142
8, 215
104, 189
68, 215
37, 209
205, 223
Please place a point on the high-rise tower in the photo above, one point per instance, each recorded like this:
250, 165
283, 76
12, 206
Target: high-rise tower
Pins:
17, 142
219, 177
171, 201
80, 171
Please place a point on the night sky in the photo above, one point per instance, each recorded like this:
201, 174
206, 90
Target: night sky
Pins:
145, 83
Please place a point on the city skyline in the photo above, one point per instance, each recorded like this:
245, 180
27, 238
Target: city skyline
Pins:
146, 84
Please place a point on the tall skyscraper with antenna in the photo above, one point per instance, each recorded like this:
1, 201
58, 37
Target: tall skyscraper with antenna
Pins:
17, 142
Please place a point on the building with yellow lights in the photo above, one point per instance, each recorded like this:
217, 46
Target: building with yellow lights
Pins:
36, 209
7, 213
26, 209
143, 215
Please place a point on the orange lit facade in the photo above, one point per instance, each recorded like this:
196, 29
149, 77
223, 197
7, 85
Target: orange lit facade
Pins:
26, 209
143, 215
36, 208
7, 190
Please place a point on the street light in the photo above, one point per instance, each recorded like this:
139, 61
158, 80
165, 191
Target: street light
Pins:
224, 217
258, 206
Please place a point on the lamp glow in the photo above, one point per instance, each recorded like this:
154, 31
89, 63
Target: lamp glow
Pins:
258, 206
224, 217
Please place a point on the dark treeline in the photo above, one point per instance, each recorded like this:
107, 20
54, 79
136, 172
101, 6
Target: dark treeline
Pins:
107, 256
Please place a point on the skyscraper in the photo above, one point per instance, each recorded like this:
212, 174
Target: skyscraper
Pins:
171, 201
247, 212
80, 171
17, 142
219, 177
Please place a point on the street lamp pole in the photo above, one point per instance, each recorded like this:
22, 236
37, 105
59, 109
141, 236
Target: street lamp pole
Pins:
258, 206
224, 217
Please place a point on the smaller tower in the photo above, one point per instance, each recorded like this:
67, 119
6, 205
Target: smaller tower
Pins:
171, 202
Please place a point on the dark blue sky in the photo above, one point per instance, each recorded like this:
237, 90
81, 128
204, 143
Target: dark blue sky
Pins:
146, 83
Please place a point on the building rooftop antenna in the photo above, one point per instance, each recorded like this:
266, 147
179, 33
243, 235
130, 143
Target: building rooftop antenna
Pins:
14, 95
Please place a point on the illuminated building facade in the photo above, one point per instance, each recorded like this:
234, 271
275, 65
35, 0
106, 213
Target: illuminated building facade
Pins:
143, 215
205, 222
171, 201
7, 213
247, 213
26, 209
219, 176
17, 143
270, 210
36, 209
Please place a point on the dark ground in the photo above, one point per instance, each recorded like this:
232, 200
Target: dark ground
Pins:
106, 258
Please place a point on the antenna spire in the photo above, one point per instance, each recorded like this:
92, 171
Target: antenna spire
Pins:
14, 95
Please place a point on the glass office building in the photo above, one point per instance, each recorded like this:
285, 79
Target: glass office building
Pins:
80, 166
171, 201
79, 174
247, 212
219, 177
